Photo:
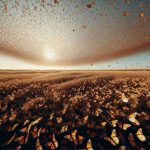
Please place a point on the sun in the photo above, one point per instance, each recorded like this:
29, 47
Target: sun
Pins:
50, 54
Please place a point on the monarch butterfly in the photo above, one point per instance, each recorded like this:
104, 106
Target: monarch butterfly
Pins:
72, 137
133, 119
123, 98
80, 139
64, 129
103, 124
89, 145
124, 126
38, 145
140, 135
54, 144
59, 120
51, 116
114, 140
114, 123
98, 112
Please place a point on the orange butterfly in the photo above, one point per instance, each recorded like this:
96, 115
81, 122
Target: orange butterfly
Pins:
53, 144
114, 140
89, 145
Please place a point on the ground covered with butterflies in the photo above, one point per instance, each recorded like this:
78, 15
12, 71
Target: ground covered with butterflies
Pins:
74, 110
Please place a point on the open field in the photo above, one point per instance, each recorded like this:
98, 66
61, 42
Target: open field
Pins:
75, 110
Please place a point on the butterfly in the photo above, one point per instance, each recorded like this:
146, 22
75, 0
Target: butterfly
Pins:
72, 137
122, 148
89, 145
103, 124
125, 13
124, 126
38, 145
133, 119
80, 139
140, 135
64, 129
51, 116
90, 5
54, 144
114, 123
114, 140
59, 120
56, 1
98, 112
141, 14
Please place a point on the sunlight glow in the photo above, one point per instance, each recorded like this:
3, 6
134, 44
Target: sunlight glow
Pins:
50, 54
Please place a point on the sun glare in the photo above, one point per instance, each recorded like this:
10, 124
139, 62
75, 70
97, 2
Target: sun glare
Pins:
50, 54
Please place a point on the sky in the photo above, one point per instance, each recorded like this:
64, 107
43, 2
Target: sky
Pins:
75, 34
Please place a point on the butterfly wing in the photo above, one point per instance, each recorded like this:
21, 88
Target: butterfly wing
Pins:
114, 137
140, 135
89, 145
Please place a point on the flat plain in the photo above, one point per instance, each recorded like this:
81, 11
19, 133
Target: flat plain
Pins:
75, 110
